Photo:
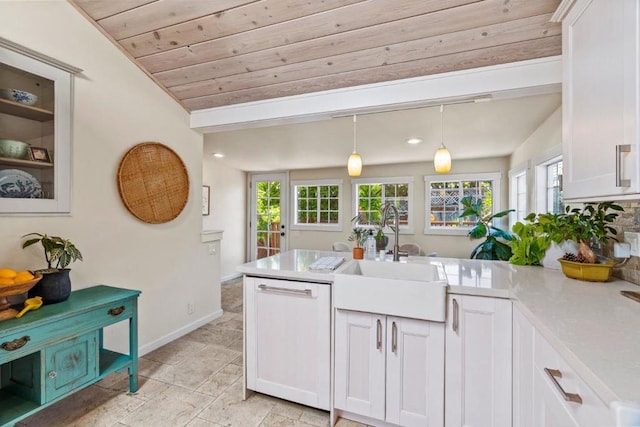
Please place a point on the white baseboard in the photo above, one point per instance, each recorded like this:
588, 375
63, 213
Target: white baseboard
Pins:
230, 277
148, 348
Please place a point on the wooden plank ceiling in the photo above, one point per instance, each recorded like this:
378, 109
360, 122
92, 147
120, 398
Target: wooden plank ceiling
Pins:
210, 53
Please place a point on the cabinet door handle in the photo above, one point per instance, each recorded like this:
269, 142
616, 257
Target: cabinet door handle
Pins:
621, 148
394, 338
456, 311
116, 311
52, 374
305, 292
15, 344
378, 334
569, 397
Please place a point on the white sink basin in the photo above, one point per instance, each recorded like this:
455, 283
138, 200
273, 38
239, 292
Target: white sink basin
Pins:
416, 290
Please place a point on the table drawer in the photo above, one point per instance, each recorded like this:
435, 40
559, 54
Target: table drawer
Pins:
29, 340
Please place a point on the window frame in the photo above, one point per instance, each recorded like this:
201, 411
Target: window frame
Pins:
294, 204
540, 176
495, 177
514, 174
408, 180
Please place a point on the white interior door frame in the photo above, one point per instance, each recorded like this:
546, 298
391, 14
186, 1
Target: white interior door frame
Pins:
254, 178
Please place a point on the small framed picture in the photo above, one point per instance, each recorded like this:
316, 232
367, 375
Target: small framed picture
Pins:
206, 192
40, 154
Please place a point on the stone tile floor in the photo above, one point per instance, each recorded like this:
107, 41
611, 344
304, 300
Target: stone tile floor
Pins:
194, 381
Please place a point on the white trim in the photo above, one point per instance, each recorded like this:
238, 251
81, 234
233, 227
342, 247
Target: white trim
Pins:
517, 171
408, 229
231, 276
294, 205
542, 75
496, 177
539, 164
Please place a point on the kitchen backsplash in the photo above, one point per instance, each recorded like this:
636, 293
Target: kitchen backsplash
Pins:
629, 220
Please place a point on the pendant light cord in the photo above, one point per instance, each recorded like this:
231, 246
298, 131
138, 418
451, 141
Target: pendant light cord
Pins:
441, 125
354, 133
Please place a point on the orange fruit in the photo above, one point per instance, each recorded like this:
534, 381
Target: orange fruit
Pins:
7, 273
4, 281
23, 276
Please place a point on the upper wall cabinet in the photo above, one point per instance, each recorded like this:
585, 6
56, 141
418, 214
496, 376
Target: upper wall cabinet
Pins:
600, 100
35, 132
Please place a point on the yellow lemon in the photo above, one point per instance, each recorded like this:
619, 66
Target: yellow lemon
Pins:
4, 281
23, 276
7, 273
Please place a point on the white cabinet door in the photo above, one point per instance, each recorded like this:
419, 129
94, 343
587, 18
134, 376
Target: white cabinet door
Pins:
415, 372
600, 98
478, 362
523, 371
288, 339
360, 347
549, 408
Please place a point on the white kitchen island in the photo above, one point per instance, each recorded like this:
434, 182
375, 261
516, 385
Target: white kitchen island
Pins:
590, 326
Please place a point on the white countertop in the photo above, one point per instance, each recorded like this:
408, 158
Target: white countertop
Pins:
596, 329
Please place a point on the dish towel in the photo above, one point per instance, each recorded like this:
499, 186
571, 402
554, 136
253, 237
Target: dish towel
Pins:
327, 263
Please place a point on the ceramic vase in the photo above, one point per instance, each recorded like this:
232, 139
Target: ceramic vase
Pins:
53, 287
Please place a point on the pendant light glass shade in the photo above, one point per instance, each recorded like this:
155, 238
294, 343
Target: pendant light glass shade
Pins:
442, 158
354, 165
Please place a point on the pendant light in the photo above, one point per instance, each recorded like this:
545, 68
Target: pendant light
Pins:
354, 165
442, 158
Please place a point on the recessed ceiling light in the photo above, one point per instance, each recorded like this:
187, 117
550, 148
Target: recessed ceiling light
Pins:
414, 140
217, 155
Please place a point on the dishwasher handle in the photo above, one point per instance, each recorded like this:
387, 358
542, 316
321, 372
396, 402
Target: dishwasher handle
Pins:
266, 288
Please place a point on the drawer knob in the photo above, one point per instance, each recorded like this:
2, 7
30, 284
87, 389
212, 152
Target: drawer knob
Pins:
116, 311
52, 374
15, 344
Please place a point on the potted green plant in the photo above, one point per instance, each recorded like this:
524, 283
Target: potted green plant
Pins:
55, 285
358, 234
496, 241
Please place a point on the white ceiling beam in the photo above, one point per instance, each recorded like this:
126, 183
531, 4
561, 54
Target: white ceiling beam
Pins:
498, 81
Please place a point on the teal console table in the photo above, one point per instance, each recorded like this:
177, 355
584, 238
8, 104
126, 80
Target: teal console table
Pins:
51, 352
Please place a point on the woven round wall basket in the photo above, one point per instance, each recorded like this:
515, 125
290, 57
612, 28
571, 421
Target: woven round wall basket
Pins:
153, 182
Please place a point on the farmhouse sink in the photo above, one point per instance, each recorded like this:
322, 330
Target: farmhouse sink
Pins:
415, 289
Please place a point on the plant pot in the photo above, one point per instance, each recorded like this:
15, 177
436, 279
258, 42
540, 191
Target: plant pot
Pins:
599, 272
358, 253
381, 243
53, 287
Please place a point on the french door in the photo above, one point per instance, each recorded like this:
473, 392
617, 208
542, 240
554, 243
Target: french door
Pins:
268, 214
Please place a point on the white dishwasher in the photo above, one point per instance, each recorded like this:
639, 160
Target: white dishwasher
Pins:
287, 339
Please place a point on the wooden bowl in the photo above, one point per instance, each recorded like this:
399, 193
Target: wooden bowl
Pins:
18, 288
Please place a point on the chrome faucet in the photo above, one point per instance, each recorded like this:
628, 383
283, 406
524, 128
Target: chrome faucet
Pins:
396, 226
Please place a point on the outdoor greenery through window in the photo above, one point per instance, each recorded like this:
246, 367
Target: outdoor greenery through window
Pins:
371, 197
443, 198
317, 203
267, 218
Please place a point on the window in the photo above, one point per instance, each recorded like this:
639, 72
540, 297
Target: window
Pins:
554, 187
518, 194
443, 195
316, 205
548, 181
370, 196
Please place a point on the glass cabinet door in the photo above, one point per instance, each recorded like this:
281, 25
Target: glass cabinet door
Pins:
35, 134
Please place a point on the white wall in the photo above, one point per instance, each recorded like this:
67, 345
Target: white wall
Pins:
117, 107
228, 210
446, 246
547, 138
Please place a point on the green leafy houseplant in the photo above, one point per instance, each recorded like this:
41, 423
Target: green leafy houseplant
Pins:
494, 246
58, 252
358, 233
533, 238
591, 225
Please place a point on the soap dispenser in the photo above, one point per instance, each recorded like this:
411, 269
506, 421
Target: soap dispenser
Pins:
370, 246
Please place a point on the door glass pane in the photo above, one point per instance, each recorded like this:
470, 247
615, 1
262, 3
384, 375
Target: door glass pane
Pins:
267, 218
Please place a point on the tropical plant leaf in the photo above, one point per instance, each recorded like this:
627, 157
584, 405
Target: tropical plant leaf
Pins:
480, 230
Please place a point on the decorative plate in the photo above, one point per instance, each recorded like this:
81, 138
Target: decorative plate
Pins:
18, 184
